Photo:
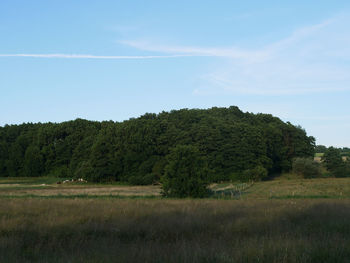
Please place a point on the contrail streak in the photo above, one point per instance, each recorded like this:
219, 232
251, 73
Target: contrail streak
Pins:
93, 56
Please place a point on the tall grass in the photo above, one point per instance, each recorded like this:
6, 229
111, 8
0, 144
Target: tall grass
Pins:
113, 230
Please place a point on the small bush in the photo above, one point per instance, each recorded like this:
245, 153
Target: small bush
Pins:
306, 167
343, 170
186, 174
332, 160
61, 172
142, 180
257, 173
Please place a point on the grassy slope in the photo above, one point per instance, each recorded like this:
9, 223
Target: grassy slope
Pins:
300, 188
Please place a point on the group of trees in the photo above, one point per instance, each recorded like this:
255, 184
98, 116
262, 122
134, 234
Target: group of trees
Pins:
344, 152
141, 150
307, 167
334, 162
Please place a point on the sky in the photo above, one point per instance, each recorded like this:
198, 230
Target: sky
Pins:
113, 60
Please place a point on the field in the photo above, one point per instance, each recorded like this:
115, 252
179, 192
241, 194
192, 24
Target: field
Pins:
283, 220
285, 187
47, 187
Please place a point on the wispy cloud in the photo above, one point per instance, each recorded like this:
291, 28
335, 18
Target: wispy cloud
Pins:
310, 60
231, 52
76, 56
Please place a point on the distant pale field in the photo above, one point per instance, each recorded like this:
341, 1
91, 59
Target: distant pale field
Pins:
24, 187
319, 154
285, 187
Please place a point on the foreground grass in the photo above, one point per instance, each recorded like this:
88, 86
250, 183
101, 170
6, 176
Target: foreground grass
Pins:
114, 230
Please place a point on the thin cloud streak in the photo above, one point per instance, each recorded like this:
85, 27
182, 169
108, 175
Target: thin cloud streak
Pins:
231, 52
75, 56
257, 55
310, 60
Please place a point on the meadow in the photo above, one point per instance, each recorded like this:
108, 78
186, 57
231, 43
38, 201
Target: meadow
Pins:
266, 222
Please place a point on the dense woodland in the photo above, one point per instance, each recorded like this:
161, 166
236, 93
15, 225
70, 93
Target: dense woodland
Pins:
136, 151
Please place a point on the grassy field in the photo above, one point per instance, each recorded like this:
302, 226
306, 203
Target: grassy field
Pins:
284, 187
284, 220
80, 230
48, 187
319, 154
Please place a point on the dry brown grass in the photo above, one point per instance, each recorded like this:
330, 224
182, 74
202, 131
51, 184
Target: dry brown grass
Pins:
73, 190
255, 228
76, 230
300, 188
287, 186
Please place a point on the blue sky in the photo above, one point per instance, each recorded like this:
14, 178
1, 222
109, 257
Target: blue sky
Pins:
112, 60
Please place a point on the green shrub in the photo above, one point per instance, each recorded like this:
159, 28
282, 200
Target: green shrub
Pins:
343, 170
332, 159
86, 172
186, 174
334, 163
61, 172
142, 180
306, 167
255, 174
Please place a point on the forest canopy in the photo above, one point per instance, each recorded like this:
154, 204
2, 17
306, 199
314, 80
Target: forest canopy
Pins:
136, 151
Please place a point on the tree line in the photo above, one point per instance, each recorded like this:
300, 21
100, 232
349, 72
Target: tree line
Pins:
231, 143
344, 151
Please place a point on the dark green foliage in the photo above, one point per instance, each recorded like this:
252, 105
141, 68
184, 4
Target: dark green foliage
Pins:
135, 151
345, 151
61, 172
142, 180
332, 159
257, 173
342, 171
84, 170
307, 168
33, 161
186, 174
320, 149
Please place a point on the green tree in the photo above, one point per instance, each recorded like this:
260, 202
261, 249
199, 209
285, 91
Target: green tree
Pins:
332, 159
186, 174
33, 162
232, 141
306, 167
102, 158
320, 149
334, 163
